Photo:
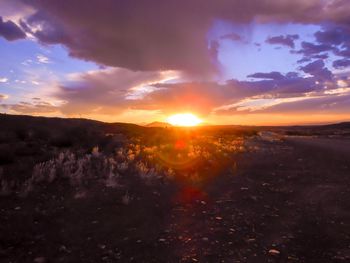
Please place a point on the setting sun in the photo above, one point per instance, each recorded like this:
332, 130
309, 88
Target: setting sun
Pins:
184, 119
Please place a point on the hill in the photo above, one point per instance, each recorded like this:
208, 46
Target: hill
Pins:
159, 124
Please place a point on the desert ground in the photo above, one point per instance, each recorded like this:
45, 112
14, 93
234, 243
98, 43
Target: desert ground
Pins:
76, 190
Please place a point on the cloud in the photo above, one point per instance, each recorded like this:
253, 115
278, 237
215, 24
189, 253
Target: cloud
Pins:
3, 97
334, 35
106, 91
272, 75
3, 80
319, 103
10, 31
287, 40
333, 38
43, 59
310, 49
318, 70
341, 63
113, 91
37, 108
232, 36
160, 35
322, 104
196, 97
141, 45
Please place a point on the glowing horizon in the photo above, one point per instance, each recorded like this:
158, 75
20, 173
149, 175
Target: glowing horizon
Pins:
139, 70
184, 119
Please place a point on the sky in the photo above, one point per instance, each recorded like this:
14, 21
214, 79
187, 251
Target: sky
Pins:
252, 62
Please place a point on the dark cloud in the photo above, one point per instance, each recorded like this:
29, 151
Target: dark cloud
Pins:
161, 34
271, 75
97, 92
334, 35
147, 38
319, 105
310, 49
310, 58
320, 56
339, 37
287, 40
318, 70
232, 36
333, 38
10, 31
103, 91
344, 52
341, 63
291, 85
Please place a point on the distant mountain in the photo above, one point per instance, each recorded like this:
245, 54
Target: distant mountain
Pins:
341, 125
159, 124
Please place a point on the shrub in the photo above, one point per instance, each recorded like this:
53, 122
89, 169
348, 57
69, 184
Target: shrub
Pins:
6, 154
61, 141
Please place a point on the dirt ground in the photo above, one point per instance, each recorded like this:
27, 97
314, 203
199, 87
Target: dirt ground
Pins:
287, 202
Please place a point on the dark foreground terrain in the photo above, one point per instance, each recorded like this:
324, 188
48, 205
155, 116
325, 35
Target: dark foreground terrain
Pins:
84, 191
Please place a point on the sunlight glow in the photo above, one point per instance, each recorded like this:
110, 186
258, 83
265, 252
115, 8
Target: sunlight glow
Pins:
184, 119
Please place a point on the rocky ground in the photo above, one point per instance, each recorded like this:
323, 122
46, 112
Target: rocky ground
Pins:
283, 200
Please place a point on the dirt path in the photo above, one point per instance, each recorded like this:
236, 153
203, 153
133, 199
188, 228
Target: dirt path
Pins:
288, 203
338, 145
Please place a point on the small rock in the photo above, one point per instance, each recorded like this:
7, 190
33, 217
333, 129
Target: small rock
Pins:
161, 240
218, 218
205, 239
274, 252
17, 208
102, 246
254, 198
63, 248
40, 260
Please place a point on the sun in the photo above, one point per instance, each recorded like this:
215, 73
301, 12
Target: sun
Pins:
184, 119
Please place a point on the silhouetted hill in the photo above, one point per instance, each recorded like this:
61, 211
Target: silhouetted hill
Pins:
159, 124
77, 129
341, 125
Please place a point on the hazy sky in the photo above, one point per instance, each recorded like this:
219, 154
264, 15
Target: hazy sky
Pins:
228, 61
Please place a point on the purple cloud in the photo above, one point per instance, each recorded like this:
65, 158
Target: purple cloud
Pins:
332, 36
104, 91
319, 105
97, 92
10, 31
341, 63
344, 52
139, 41
232, 36
309, 49
287, 40
161, 34
271, 75
318, 70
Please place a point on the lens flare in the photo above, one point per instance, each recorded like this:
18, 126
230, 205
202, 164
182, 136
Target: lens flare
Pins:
184, 119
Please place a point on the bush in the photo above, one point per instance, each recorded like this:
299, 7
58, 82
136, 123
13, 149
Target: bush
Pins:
27, 149
6, 154
62, 141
